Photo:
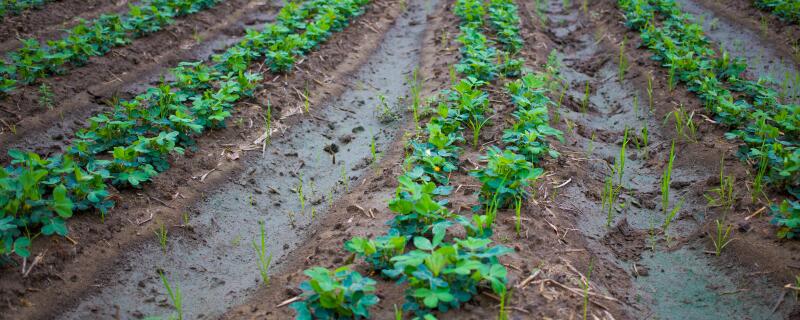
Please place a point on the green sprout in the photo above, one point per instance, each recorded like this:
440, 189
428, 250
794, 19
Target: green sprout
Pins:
161, 233
264, 259
174, 294
46, 96
721, 238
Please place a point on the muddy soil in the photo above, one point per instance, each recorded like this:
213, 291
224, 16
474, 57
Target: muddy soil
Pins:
766, 57
287, 189
228, 186
784, 36
537, 247
637, 270
736, 285
83, 91
51, 18
88, 262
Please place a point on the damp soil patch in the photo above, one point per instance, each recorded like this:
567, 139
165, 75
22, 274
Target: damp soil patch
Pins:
287, 189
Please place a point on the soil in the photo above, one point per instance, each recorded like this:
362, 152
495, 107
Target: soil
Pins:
121, 73
228, 185
783, 35
51, 18
766, 56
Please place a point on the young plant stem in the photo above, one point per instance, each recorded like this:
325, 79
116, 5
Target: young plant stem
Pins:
174, 295
264, 259
722, 237
518, 212
585, 284
161, 233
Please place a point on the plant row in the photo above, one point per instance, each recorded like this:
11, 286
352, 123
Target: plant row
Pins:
767, 128
441, 272
36, 60
14, 7
788, 10
131, 144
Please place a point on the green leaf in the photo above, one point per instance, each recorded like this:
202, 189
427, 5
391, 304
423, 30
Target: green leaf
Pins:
423, 243
21, 247
61, 203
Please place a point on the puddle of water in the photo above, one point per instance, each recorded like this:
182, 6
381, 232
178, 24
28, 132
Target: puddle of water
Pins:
215, 266
762, 60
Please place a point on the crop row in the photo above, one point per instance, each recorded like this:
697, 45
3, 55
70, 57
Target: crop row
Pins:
441, 273
132, 143
36, 60
788, 10
14, 7
767, 128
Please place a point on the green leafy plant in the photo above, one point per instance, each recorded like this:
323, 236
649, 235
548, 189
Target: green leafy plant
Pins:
131, 143
785, 9
506, 176
378, 252
786, 216
338, 294
442, 276
754, 111
415, 207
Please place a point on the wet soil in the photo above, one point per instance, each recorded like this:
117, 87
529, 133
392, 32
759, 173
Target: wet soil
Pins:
228, 186
122, 73
738, 284
82, 268
288, 189
51, 18
783, 36
766, 58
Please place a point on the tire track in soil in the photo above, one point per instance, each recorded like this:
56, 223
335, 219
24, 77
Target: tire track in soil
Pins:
82, 268
122, 73
215, 264
676, 279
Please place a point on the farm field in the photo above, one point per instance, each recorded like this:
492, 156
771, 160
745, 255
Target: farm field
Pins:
409, 159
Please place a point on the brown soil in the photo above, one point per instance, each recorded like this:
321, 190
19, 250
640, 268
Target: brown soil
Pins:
123, 72
52, 18
784, 34
554, 237
760, 249
78, 268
